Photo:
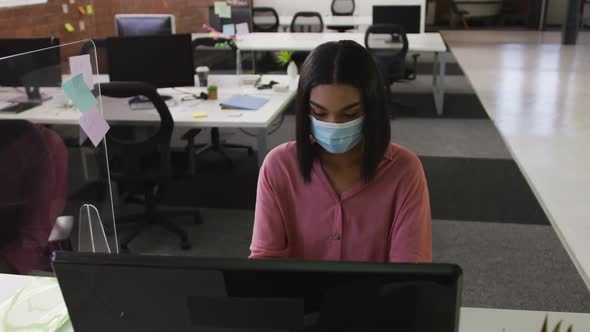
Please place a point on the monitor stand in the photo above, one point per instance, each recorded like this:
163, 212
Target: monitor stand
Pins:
33, 96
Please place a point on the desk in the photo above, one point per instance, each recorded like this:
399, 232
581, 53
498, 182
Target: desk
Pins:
116, 111
419, 42
472, 319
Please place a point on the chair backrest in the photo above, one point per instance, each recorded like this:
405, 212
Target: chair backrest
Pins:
343, 7
127, 25
307, 22
388, 44
239, 14
265, 19
148, 160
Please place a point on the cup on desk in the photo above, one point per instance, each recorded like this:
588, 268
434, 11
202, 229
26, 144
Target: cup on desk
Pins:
203, 74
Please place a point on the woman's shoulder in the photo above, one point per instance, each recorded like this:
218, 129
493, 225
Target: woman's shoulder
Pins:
403, 160
282, 158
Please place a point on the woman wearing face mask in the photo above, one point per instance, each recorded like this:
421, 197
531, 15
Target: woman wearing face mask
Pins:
341, 191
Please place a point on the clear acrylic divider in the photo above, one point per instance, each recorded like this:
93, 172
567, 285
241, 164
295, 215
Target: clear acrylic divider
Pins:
55, 188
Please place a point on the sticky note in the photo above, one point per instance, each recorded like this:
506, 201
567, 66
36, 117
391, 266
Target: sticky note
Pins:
89, 10
82, 25
81, 65
81, 10
69, 27
64, 8
242, 28
199, 115
229, 30
77, 90
222, 9
94, 125
72, 2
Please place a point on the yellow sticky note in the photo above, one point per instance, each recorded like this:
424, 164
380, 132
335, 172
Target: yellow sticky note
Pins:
89, 10
69, 27
199, 115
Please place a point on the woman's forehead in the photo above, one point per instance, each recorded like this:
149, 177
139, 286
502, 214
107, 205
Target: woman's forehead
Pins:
335, 94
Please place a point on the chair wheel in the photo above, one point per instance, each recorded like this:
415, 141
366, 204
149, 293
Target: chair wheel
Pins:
185, 245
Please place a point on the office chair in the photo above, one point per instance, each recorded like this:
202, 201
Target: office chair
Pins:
143, 167
342, 8
390, 55
457, 12
33, 192
215, 144
239, 14
265, 19
307, 22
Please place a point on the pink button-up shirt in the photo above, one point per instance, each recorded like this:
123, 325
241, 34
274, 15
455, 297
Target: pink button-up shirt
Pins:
386, 220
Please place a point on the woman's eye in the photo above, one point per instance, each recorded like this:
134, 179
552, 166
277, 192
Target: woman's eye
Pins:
318, 115
353, 115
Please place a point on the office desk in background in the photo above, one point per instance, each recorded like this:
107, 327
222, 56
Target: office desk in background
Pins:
472, 319
277, 41
117, 111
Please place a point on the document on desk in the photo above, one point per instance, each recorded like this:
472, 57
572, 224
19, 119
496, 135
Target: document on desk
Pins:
244, 102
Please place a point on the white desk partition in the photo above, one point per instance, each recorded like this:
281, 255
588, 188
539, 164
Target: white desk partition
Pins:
363, 7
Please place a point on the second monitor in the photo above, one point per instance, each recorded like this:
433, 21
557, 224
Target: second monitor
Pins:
163, 61
406, 16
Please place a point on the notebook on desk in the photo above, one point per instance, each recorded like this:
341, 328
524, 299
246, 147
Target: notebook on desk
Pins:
243, 102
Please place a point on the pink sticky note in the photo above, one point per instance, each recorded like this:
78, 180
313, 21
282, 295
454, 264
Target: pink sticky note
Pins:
242, 29
94, 125
81, 65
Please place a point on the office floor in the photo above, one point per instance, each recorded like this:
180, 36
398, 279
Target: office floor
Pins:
486, 217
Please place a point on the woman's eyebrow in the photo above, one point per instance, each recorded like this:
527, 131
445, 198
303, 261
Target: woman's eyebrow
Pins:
317, 105
350, 106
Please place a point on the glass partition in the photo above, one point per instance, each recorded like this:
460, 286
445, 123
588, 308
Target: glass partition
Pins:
55, 190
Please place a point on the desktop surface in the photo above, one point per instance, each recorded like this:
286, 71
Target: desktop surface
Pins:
152, 293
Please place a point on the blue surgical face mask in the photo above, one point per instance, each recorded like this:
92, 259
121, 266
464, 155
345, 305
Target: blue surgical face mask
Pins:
337, 137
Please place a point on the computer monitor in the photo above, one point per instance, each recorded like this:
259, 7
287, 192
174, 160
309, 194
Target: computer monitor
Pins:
32, 70
163, 61
127, 25
406, 16
164, 293
239, 14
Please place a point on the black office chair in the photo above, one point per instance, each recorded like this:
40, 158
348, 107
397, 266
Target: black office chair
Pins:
457, 12
143, 168
307, 22
390, 50
265, 19
342, 8
215, 144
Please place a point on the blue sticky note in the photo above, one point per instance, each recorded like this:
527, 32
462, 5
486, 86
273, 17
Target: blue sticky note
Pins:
229, 30
77, 90
244, 102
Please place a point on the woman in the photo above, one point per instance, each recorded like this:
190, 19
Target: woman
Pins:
341, 191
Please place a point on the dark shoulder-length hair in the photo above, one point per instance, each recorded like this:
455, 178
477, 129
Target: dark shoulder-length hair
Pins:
348, 63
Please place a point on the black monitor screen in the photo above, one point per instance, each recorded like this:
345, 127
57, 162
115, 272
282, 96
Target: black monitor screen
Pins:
128, 26
35, 69
163, 61
406, 16
166, 293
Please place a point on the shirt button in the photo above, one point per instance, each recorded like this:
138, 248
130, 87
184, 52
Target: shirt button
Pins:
337, 236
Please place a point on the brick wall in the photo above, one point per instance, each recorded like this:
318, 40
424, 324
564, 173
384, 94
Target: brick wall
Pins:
48, 19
